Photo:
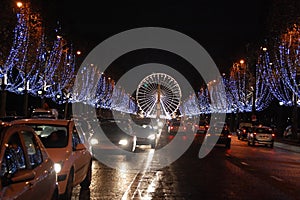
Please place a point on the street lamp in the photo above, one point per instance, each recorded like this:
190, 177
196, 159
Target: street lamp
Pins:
19, 4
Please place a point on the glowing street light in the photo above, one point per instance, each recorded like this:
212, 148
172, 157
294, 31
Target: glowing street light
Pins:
19, 4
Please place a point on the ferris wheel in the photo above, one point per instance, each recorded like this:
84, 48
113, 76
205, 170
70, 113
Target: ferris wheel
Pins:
158, 95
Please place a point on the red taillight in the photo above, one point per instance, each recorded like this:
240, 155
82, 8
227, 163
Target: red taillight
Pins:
171, 137
254, 134
172, 127
273, 135
244, 131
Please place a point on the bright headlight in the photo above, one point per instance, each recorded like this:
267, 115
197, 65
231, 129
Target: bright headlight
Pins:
57, 167
123, 142
94, 141
160, 124
151, 137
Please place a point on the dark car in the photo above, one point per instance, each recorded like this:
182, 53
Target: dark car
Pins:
118, 135
220, 130
261, 135
177, 127
242, 132
201, 127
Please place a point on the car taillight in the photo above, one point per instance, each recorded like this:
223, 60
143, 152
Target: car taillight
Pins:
244, 131
273, 135
172, 127
254, 134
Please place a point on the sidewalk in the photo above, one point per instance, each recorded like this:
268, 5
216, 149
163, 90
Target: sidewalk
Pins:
288, 144
288, 141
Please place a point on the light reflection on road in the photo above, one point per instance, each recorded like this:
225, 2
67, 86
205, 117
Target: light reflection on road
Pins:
121, 183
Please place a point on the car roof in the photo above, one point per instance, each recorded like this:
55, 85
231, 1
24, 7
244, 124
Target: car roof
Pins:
61, 122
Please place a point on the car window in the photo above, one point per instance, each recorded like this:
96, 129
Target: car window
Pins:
176, 124
14, 157
52, 136
33, 150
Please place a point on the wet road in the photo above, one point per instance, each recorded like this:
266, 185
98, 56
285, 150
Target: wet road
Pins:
243, 172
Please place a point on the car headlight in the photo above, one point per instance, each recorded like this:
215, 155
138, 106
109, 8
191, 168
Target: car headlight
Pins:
160, 124
94, 141
58, 167
123, 142
151, 137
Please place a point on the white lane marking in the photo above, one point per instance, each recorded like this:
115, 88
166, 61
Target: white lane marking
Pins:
276, 178
244, 163
125, 195
137, 190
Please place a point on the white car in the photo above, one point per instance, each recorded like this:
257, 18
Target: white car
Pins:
26, 170
73, 161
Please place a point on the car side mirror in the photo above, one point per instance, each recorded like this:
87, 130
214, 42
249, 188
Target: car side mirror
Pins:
80, 147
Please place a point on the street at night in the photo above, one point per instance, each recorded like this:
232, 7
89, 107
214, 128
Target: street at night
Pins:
146, 100
242, 172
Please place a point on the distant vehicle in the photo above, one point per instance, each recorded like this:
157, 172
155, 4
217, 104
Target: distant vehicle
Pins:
146, 134
287, 133
118, 135
261, 135
201, 127
243, 130
44, 113
73, 161
220, 130
26, 170
176, 127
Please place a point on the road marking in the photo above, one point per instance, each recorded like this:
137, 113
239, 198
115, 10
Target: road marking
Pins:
244, 163
138, 178
276, 178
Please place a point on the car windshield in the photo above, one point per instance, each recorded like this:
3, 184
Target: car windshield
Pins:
52, 136
176, 124
202, 123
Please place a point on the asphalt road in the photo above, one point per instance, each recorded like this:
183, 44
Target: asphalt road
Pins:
242, 172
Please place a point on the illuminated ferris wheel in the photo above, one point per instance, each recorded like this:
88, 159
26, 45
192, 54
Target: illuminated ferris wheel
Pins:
158, 95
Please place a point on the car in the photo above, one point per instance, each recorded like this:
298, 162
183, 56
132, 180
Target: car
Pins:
146, 134
66, 147
44, 113
243, 131
116, 135
219, 131
177, 127
287, 133
261, 135
201, 127
27, 171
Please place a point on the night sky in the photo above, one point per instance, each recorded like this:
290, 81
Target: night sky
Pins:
223, 28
